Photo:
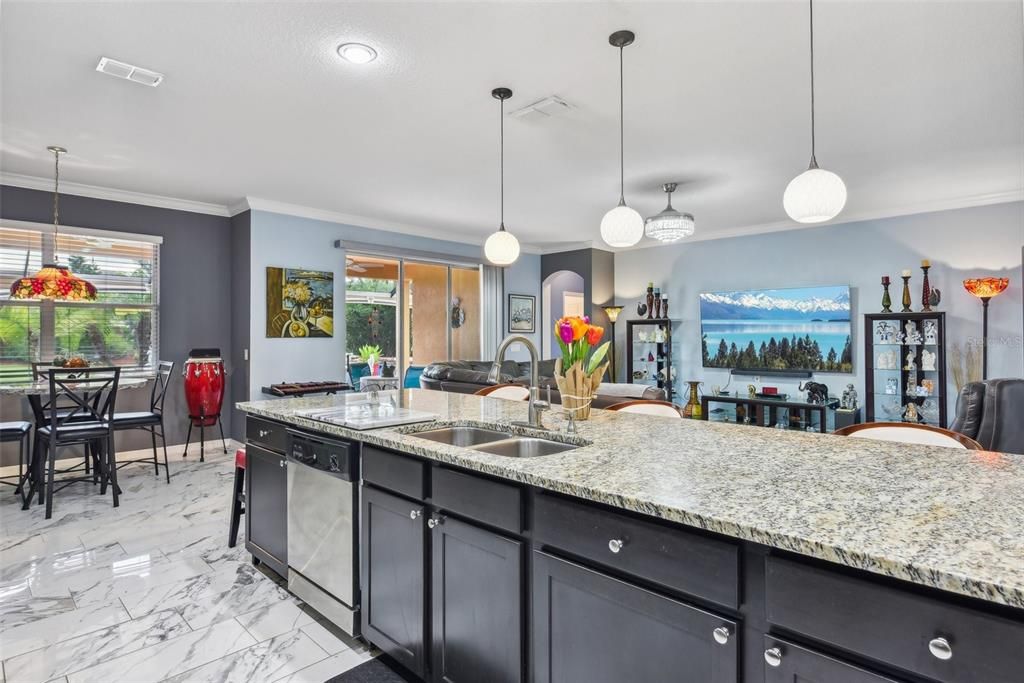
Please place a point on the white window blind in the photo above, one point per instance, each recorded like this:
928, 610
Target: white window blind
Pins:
120, 328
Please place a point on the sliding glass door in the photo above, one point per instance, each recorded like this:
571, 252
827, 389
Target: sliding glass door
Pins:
416, 311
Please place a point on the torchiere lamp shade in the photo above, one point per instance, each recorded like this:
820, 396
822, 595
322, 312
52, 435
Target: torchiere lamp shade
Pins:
613, 313
986, 287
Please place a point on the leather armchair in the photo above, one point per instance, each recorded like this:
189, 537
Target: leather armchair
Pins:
992, 413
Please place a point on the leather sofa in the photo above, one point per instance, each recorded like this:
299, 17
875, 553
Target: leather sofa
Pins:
469, 376
992, 413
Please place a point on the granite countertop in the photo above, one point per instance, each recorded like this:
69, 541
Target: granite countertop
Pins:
939, 517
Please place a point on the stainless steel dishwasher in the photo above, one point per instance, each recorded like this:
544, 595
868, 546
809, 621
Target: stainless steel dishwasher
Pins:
323, 528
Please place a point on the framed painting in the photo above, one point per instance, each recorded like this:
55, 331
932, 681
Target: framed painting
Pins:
522, 313
300, 303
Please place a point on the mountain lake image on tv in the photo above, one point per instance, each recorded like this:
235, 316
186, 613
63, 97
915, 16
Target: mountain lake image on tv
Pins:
805, 328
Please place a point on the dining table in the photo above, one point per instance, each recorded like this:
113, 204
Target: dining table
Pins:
37, 392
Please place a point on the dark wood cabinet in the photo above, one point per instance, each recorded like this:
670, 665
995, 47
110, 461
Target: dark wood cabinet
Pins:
786, 662
394, 577
476, 604
266, 507
591, 627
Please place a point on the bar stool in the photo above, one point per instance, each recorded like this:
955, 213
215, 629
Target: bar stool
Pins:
238, 497
17, 431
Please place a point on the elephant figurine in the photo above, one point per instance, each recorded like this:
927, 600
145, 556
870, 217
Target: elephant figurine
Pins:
816, 392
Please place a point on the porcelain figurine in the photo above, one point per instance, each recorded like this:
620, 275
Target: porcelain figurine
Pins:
910, 413
931, 332
849, 399
911, 364
911, 336
886, 333
928, 360
911, 384
892, 386
886, 360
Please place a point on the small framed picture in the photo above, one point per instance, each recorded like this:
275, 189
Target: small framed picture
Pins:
522, 313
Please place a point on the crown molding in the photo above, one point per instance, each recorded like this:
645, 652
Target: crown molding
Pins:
110, 194
970, 201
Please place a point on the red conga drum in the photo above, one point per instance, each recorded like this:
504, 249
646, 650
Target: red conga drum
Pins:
204, 386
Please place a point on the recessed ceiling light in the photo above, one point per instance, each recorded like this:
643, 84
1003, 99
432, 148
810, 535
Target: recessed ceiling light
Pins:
357, 53
112, 67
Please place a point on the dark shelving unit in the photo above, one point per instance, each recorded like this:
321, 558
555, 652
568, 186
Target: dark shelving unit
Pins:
639, 353
890, 386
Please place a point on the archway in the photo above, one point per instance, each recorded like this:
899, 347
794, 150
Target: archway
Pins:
561, 294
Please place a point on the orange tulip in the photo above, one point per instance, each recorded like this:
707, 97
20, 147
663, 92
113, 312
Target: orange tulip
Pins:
579, 328
594, 334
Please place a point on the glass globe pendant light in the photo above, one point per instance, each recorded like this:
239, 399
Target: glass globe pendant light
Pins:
622, 226
670, 225
502, 247
816, 195
53, 281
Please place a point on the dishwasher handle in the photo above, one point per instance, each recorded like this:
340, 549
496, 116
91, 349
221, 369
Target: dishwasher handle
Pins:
336, 458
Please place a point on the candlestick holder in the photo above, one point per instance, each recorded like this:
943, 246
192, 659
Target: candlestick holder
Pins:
926, 292
886, 300
906, 294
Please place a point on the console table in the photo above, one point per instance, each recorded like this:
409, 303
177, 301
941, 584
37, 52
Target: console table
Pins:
764, 412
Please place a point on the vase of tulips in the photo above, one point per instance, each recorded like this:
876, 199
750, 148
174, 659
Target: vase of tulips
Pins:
579, 371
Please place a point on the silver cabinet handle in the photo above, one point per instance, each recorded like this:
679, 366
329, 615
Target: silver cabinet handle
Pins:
615, 545
415, 514
773, 656
264, 433
434, 522
721, 635
282, 462
940, 648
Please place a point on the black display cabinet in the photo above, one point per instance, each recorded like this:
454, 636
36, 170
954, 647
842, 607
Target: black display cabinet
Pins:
905, 358
649, 354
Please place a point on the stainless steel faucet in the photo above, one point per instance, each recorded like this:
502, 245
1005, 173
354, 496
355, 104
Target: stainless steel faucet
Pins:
535, 406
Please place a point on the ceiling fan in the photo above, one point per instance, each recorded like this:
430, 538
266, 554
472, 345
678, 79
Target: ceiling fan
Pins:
359, 267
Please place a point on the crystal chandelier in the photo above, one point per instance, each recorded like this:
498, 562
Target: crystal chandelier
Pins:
670, 225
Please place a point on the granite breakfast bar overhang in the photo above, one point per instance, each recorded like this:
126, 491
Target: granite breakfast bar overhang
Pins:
945, 520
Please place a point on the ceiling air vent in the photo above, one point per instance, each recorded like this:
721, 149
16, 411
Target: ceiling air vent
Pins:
112, 67
552, 105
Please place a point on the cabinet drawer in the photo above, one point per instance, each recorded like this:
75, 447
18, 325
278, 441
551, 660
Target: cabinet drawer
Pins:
270, 435
894, 626
485, 500
675, 558
786, 663
398, 473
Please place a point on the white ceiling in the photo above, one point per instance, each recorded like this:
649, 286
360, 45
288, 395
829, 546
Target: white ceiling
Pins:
920, 106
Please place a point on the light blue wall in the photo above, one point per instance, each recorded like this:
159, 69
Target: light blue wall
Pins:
522, 277
293, 241
976, 242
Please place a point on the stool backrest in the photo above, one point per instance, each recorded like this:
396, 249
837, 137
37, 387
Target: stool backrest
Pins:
905, 432
511, 392
91, 393
160, 383
662, 408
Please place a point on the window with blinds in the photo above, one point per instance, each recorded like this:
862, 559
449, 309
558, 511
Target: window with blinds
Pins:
120, 328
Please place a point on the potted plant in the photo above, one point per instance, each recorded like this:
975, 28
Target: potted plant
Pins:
370, 354
581, 368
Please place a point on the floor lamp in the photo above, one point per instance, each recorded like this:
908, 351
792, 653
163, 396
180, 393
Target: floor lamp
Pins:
613, 314
985, 288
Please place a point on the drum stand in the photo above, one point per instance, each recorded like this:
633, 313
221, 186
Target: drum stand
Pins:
202, 435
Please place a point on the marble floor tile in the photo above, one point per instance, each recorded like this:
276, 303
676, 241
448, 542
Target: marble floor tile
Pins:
64, 626
327, 669
330, 638
275, 619
135, 575
14, 613
69, 583
58, 564
270, 660
171, 657
96, 649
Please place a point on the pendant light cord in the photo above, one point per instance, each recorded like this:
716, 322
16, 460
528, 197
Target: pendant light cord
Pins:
501, 162
56, 195
814, 161
622, 145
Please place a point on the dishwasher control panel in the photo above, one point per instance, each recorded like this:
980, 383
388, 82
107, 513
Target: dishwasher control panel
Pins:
335, 457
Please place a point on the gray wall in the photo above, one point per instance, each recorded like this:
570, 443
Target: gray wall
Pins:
597, 268
963, 243
241, 246
195, 289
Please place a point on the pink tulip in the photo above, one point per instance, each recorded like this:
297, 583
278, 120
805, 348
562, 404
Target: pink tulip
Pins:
565, 332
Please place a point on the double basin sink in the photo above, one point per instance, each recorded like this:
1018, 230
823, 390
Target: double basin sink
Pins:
495, 442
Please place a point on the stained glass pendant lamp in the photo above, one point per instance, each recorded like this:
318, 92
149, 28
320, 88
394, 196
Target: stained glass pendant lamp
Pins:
622, 226
670, 225
53, 281
502, 247
816, 195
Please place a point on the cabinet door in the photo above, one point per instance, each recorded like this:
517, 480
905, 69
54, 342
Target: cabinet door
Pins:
591, 628
393, 575
477, 604
266, 507
786, 662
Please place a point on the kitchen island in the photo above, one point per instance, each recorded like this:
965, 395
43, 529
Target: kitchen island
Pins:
791, 554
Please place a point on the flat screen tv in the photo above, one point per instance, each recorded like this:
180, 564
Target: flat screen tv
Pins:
801, 329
